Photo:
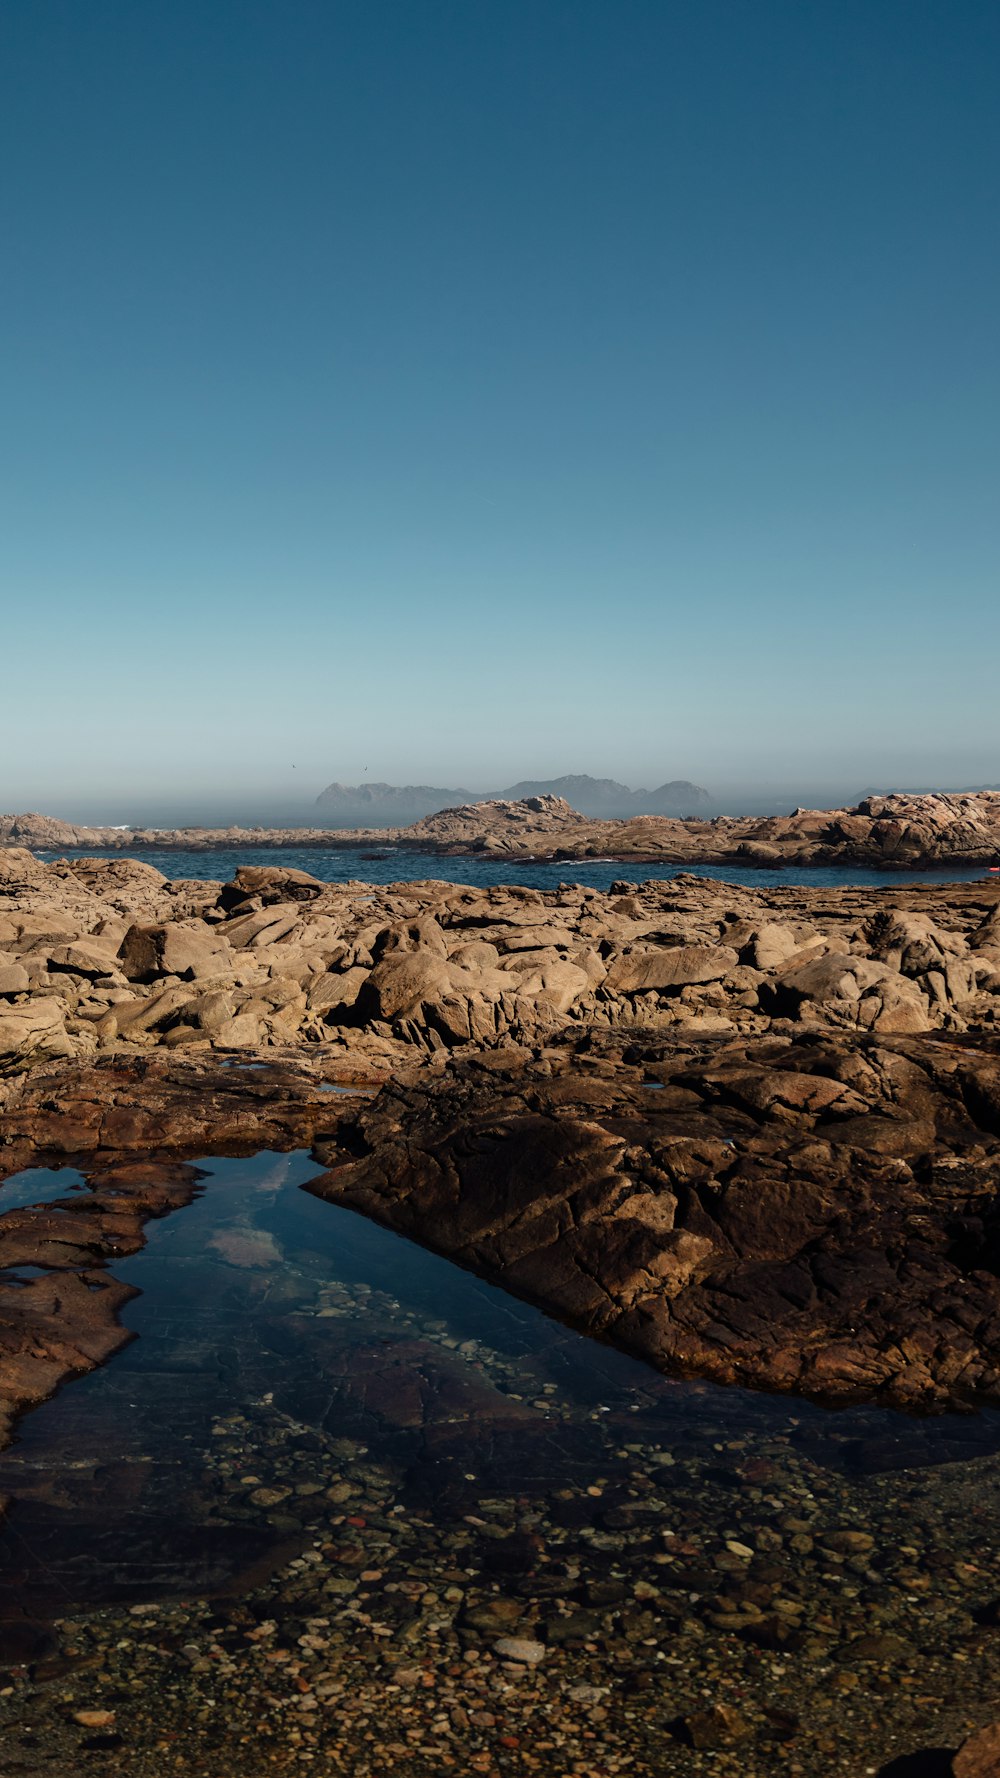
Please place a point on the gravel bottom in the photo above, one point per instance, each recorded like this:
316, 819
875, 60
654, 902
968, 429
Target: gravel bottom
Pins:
475, 1555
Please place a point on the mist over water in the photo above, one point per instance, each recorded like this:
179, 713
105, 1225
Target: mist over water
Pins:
222, 808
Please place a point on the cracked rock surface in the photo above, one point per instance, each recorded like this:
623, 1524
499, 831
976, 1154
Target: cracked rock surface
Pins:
812, 1214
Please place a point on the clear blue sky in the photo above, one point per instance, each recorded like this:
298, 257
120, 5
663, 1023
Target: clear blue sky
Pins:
472, 389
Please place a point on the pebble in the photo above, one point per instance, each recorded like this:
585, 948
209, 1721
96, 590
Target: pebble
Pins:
520, 1648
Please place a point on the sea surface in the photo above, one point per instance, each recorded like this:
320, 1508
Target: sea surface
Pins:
402, 865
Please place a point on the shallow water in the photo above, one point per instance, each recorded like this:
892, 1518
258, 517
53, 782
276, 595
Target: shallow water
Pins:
317, 1410
359, 864
39, 1185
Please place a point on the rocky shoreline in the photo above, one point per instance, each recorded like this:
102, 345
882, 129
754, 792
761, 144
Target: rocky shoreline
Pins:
899, 832
747, 1135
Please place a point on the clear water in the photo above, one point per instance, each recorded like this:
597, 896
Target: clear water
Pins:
39, 1185
370, 865
317, 1417
330, 1458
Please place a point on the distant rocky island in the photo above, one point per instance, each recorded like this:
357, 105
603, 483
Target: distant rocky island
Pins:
357, 805
898, 832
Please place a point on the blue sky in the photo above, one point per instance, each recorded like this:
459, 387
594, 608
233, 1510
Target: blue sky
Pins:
462, 390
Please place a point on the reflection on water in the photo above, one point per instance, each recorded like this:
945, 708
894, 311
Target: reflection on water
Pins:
323, 1418
39, 1185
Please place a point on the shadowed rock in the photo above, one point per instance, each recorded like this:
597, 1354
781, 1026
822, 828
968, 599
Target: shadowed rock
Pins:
808, 1215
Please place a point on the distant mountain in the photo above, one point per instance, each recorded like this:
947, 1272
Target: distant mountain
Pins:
394, 805
386, 805
604, 796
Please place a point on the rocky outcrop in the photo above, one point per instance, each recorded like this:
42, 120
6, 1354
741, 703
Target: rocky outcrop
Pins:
96, 954
893, 833
807, 1213
746, 1133
898, 832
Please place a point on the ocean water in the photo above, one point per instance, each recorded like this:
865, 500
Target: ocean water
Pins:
402, 865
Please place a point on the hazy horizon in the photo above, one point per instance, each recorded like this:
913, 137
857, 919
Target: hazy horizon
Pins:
464, 394
209, 807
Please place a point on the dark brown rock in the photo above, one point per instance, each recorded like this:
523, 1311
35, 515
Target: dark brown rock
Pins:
756, 1234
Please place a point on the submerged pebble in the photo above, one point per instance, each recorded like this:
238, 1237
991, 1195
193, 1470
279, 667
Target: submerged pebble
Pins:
438, 1533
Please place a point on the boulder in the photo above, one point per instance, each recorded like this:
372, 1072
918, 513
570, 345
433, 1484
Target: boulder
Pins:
32, 1033
911, 942
555, 987
637, 971
333, 991
185, 948
769, 946
85, 957
396, 986
261, 928
268, 883
849, 989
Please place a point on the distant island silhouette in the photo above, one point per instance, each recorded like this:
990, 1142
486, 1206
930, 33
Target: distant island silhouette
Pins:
355, 804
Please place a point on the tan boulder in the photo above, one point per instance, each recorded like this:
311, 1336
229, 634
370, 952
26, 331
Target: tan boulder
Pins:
131, 1018
676, 966
210, 1013
259, 929
329, 992
555, 987
242, 1032
911, 942
476, 954
396, 986
422, 934
32, 1033
851, 990
271, 883
86, 957
770, 946
185, 948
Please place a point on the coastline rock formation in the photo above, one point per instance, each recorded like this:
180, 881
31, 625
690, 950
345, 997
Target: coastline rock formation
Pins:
100, 953
811, 1214
751, 1134
898, 832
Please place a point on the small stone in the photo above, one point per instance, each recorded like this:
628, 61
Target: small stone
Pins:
880, 1646
94, 1719
720, 1726
269, 1496
520, 1648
